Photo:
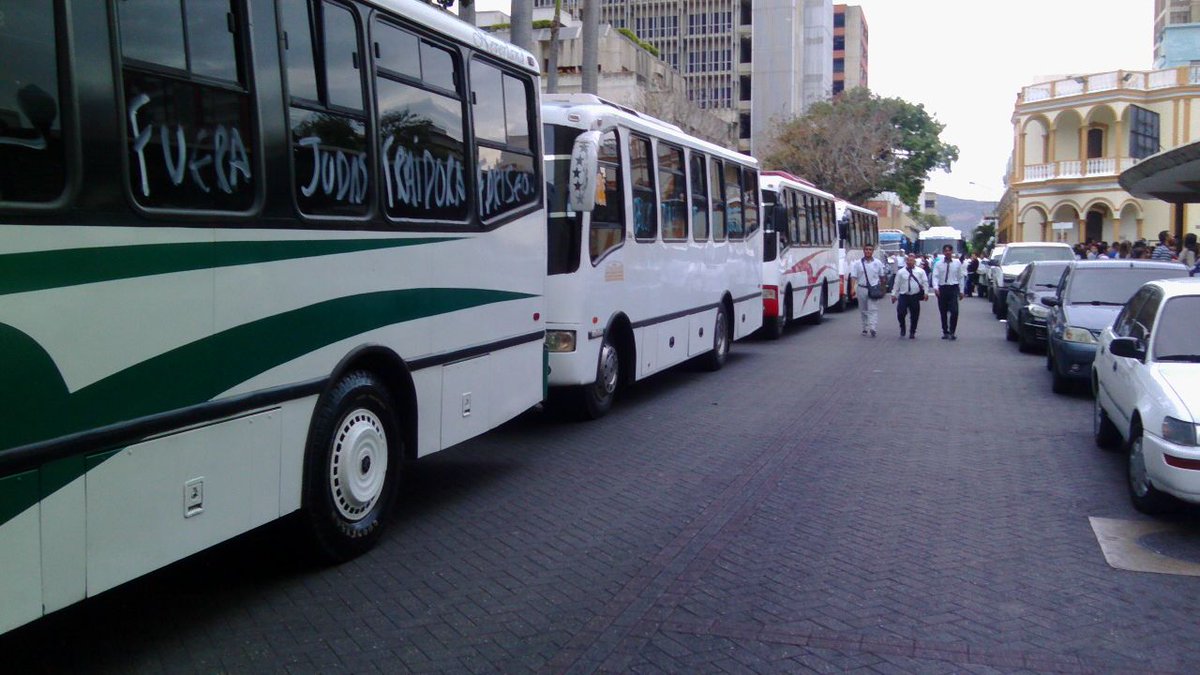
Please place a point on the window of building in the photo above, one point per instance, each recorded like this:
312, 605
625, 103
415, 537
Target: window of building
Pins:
746, 52
1143, 132
188, 110
839, 65
839, 20
33, 165
839, 43
744, 88
838, 87
744, 125
645, 204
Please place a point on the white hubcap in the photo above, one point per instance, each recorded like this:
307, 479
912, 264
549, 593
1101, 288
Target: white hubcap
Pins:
358, 464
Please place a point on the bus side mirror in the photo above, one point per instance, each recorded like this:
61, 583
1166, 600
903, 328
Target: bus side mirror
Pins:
581, 193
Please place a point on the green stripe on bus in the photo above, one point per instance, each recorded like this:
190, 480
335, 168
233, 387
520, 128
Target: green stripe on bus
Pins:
36, 406
40, 270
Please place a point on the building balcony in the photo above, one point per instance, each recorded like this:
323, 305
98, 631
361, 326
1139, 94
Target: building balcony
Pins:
1090, 168
1141, 81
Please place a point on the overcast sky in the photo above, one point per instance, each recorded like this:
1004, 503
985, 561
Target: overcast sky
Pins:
965, 61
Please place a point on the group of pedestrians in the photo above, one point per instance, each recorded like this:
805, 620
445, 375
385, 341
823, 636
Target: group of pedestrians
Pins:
946, 278
1166, 249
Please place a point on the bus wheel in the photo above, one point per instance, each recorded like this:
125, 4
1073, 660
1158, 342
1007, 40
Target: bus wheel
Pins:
597, 398
819, 316
773, 327
714, 359
352, 467
840, 306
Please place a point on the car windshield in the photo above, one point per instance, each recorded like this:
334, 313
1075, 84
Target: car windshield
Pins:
1177, 336
1046, 275
1028, 254
1114, 285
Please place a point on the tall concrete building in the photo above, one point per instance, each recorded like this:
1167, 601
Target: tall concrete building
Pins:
850, 40
750, 62
1176, 33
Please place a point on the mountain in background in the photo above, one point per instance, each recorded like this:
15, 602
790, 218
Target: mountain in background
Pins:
963, 214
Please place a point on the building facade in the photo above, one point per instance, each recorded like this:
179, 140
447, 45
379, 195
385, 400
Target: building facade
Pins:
850, 40
1072, 137
1176, 33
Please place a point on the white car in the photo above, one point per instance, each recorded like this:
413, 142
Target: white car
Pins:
1146, 378
1003, 270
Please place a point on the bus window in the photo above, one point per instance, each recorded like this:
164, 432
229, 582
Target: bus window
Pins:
608, 218
420, 128
330, 156
699, 198
645, 208
191, 143
750, 199
506, 173
32, 162
672, 181
562, 225
734, 225
800, 221
717, 183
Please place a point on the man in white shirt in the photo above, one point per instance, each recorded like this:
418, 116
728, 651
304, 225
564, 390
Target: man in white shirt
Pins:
910, 289
947, 284
866, 273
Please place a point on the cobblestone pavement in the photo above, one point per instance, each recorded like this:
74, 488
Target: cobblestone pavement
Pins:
826, 502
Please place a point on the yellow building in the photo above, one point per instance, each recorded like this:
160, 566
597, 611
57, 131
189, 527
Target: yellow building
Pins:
1072, 137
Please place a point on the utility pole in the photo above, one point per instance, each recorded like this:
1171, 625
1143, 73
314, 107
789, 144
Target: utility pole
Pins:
522, 24
591, 47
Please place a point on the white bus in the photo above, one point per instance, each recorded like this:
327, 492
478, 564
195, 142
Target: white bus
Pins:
655, 252
857, 227
932, 240
800, 254
252, 258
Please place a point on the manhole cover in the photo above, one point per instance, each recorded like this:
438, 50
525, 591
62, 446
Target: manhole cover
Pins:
1178, 544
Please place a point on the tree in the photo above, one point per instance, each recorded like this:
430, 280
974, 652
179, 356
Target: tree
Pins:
926, 220
981, 236
860, 144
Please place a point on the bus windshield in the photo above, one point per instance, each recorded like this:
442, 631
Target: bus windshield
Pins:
562, 226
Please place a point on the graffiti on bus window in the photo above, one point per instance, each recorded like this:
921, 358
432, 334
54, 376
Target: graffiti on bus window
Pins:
645, 226
418, 179
336, 173
504, 187
217, 152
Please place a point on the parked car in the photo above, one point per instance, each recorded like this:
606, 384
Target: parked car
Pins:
1089, 296
1025, 313
1146, 378
985, 270
1003, 271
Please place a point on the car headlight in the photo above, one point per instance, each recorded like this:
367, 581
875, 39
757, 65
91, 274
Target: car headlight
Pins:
1178, 431
1038, 311
1081, 335
560, 340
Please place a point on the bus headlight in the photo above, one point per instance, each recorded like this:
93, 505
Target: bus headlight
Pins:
560, 340
1080, 335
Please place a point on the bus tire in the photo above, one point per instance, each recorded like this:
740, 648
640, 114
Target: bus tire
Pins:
840, 306
773, 327
715, 358
354, 428
823, 302
596, 399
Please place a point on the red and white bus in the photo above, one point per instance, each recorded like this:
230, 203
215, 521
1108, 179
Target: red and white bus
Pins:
800, 251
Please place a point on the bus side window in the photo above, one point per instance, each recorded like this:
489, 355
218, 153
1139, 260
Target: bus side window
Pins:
717, 175
191, 142
607, 230
734, 225
797, 221
750, 199
699, 184
672, 182
330, 157
506, 173
420, 126
645, 206
33, 165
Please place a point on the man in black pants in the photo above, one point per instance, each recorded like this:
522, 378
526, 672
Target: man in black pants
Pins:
910, 288
947, 283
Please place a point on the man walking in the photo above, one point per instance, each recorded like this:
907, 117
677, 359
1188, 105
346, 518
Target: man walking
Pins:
910, 289
868, 273
973, 274
947, 284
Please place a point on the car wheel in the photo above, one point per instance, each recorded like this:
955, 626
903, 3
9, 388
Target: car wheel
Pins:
597, 397
1009, 333
1058, 383
352, 467
1145, 497
1103, 430
1049, 356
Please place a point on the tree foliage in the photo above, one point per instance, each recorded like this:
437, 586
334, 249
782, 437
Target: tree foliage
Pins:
860, 144
981, 236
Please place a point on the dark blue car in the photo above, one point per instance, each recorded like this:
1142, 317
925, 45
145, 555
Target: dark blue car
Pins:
1026, 315
1090, 295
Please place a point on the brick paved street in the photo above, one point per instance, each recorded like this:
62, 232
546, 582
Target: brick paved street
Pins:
826, 502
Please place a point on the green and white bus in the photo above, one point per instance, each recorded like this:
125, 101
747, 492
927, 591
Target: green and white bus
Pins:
254, 254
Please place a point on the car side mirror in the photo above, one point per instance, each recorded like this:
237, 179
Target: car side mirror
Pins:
1127, 347
1050, 302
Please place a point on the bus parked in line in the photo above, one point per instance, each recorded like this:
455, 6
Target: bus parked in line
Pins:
857, 227
800, 254
655, 248
932, 240
253, 256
